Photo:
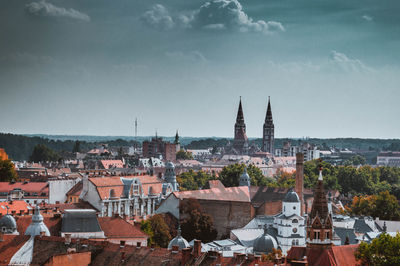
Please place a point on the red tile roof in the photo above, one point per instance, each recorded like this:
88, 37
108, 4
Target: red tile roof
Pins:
116, 227
344, 255
216, 184
30, 187
241, 194
9, 246
107, 164
105, 184
16, 205
75, 190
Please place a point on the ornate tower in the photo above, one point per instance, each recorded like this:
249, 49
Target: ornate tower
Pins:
170, 176
268, 131
319, 222
240, 142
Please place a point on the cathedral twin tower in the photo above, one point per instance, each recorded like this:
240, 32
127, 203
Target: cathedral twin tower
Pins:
240, 142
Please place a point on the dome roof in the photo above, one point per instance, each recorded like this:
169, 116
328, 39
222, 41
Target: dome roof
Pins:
264, 243
178, 241
291, 196
37, 225
8, 222
169, 165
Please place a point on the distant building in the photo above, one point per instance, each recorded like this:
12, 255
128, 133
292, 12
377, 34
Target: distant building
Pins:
159, 148
388, 159
310, 151
30, 192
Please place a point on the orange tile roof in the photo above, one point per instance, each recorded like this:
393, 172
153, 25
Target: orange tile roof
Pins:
105, 184
241, 194
116, 227
112, 163
16, 205
344, 255
9, 246
75, 190
31, 187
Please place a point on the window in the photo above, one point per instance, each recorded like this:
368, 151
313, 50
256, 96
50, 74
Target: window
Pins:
295, 221
294, 207
293, 242
327, 235
316, 235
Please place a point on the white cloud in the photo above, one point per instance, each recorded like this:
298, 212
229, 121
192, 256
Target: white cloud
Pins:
367, 18
342, 62
213, 15
219, 14
46, 9
193, 56
158, 17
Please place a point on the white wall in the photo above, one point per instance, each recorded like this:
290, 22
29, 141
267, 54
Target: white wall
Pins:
59, 188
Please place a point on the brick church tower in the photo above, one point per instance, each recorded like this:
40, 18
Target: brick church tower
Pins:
319, 222
240, 142
268, 132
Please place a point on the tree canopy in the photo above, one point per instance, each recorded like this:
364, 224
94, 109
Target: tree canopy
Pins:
196, 223
157, 230
7, 171
42, 153
193, 180
383, 250
230, 175
184, 155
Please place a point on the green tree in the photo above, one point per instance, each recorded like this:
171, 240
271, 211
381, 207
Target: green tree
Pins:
230, 175
184, 155
77, 147
157, 230
196, 223
383, 205
193, 180
7, 171
355, 160
42, 153
383, 250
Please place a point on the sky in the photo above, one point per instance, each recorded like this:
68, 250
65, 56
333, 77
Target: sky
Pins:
90, 67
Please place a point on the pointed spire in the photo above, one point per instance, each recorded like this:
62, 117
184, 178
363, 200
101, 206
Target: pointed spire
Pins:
179, 231
240, 117
384, 227
176, 137
320, 178
268, 116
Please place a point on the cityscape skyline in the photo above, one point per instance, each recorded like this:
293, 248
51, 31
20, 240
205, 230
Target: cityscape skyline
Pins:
90, 67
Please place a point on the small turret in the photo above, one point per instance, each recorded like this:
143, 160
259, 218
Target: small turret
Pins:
37, 225
244, 178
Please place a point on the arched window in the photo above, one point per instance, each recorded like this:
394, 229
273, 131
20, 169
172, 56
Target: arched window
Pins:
295, 221
293, 242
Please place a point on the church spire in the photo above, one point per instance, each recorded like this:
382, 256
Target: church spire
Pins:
240, 117
268, 116
268, 131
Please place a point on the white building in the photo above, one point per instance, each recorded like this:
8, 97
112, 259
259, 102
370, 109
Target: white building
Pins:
309, 151
388, 159
130, 196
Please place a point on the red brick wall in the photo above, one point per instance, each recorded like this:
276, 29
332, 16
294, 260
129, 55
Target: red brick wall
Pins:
228, 215
170, 152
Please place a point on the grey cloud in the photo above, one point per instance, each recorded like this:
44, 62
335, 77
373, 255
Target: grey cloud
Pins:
213, 15
46, 9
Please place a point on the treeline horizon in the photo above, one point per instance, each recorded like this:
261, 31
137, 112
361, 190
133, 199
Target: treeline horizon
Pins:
20, 147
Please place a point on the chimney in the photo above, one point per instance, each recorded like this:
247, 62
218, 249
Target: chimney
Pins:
175, 249
42, 233
67, 239
186, 252
21, 212
138, 245
300, 179
197, 248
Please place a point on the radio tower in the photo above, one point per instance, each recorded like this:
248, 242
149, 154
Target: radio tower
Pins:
135, 134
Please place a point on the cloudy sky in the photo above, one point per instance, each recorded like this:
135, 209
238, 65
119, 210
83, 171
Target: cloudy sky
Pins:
331, 67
